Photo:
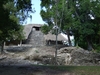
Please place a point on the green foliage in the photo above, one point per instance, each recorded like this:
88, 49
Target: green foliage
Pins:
13, 12
77, 70
0, 32
17, 35
85, 25
12, 15
80, 17
97, 48
45, 29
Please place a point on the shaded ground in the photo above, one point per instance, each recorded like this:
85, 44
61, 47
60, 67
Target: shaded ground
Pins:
12, 62
49, 70
30, 70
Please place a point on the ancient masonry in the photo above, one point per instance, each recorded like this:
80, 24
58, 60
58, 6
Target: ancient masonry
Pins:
36, 38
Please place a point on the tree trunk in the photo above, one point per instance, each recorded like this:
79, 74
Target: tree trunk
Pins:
89, 43
69, 41
2, 47
99, 39
76, 44
20, 42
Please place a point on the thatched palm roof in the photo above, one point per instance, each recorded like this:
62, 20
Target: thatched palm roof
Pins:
52, 37
28, 28
49, 36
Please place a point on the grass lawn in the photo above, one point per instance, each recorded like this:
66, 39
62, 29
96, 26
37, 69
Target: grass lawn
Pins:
78, 70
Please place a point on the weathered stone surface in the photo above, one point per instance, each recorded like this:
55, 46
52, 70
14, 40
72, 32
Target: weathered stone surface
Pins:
66, 50
46, 55
36, 38
17, 48
80, 56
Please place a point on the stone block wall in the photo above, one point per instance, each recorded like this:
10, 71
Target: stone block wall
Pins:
36, 38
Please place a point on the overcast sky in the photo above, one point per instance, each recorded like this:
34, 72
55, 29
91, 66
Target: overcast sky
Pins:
36, 18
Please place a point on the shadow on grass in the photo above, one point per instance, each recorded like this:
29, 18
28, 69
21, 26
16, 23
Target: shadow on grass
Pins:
48, 70
33, 70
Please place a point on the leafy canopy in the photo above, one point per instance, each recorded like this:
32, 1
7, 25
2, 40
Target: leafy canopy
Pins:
81, 17
12, 15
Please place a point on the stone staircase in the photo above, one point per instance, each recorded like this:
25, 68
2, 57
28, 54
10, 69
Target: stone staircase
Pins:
36, 38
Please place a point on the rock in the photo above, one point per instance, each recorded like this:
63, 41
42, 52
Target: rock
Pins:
64, 58
79, 56
45, 55
48, 59
2, 57
66, 50
18, 48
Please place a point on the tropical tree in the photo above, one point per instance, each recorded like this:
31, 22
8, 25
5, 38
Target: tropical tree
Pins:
57, 12
12, 15
54, 13
80, 17
85, 22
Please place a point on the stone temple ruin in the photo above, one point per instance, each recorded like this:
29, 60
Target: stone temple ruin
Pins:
36, 37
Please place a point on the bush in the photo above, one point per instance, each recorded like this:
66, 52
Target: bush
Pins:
97, 48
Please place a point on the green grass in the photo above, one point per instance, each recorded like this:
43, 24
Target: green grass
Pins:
78, 70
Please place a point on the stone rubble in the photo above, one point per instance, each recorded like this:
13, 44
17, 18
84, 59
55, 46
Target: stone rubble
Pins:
45, 55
